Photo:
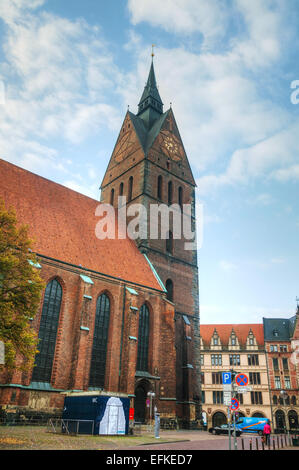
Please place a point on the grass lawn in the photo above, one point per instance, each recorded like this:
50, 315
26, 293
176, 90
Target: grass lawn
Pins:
38, 438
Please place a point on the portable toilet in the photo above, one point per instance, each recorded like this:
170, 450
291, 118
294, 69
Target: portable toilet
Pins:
96, 414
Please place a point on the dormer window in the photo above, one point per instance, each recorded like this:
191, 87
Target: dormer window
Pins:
275, 333
233, 341
215, 341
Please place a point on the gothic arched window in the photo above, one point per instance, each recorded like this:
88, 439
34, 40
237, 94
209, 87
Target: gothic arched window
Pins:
143, 338
47, 332
100, 340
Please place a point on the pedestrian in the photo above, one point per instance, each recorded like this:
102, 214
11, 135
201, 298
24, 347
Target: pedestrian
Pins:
267, 432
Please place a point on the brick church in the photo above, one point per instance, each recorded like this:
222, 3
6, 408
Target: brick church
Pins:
118, 316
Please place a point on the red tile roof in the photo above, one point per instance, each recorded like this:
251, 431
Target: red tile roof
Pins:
224, 332
62, 222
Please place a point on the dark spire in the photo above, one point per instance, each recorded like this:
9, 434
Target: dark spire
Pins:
150, 106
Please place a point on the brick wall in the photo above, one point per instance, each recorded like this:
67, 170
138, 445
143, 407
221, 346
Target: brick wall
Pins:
71, 366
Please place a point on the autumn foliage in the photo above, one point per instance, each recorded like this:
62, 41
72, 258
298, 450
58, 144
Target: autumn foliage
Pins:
20, 291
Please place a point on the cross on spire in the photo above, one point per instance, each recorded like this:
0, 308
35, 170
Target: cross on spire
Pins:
153, 54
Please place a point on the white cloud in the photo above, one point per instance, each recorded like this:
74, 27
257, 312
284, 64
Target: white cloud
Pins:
11, 10
273, 158
280, 260
91, 191
264, 24
58, 75
223, 112
183, 17
227, 266
290, 173
263, 199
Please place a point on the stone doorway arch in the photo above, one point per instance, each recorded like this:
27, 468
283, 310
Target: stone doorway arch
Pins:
141, 390
218, 419
293, 419
280, 420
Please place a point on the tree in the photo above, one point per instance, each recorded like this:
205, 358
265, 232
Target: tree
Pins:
20, 292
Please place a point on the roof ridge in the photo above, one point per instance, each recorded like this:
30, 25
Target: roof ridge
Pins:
48, 180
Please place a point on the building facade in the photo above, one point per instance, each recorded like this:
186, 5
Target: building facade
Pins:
105, 324
281, 336
239, 348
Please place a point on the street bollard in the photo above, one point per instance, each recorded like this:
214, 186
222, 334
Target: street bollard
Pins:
250, 444
257, 443
273, 442
157, 425
277, 442
242, 442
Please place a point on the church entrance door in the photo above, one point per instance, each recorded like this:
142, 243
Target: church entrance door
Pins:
140, 404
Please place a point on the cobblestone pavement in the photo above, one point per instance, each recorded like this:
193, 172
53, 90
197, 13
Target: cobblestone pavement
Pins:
195, 440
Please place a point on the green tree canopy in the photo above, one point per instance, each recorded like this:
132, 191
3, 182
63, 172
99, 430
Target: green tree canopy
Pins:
20, 292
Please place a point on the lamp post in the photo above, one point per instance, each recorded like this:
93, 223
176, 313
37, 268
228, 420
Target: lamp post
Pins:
284, 394
151, 395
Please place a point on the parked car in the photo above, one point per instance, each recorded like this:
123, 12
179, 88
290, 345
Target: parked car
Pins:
223, 429
252, 425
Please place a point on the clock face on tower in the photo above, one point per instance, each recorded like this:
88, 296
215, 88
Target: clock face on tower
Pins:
171, 145
123, 146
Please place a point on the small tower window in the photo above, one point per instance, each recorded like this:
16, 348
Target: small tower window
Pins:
169, 288
112, 197
121, 189
170, 192
180, 196
130, 192
160, 187
169, 243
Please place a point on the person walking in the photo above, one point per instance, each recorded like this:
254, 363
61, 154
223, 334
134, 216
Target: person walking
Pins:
267, 432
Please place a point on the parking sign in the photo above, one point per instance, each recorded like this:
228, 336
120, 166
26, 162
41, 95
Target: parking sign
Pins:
226, 378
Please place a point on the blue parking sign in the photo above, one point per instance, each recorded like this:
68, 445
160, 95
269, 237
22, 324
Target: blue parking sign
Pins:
226, 378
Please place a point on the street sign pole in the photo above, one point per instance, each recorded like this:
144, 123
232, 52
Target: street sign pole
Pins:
229, 430
235, 437
227, 398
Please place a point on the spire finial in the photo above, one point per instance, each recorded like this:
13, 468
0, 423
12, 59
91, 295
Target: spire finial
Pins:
153, 54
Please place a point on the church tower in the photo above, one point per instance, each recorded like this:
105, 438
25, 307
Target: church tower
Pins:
149, 166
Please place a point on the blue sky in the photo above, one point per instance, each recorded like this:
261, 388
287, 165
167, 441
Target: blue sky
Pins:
69, 69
